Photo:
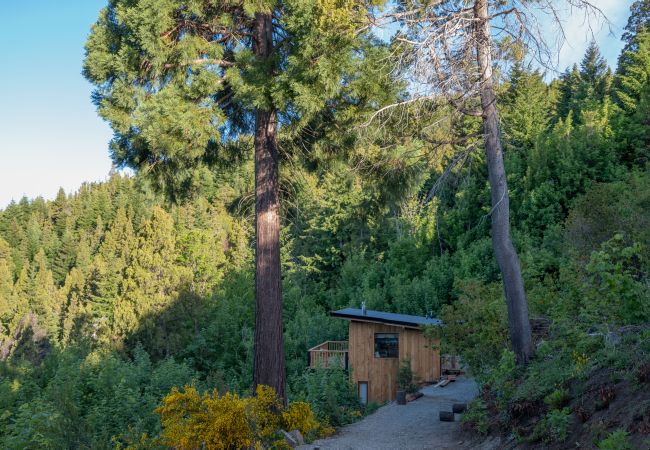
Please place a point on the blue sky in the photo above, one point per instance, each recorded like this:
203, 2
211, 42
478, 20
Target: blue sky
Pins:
50, 135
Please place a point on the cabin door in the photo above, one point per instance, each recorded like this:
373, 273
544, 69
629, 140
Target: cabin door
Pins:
363, 392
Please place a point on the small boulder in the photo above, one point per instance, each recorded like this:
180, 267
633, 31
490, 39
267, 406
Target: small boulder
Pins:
294, 438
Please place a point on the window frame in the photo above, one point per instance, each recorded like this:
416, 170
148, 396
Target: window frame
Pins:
376, 353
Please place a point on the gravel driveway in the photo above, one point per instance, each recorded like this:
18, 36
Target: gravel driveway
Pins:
415, 425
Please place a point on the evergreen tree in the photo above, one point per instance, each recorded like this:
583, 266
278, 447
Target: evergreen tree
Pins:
568, 88
184, 83
59, 212
74, 310
595, 75
33, 234
44, 297
632, 87
638, 22
633, 72
525, 116
526, 108
593, 66
20, 297
151, 285
6, 287
65, 256
108, 269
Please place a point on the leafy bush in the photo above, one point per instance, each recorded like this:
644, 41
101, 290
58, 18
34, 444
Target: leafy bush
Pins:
475, 326
191, 420
617, 290
501, 378
557, 399
330, 393
98, 400
405, 379
617, 440
299, 416
476, 417
551, 367
558, 422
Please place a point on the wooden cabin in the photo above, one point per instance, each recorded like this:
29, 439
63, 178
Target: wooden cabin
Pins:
378, 343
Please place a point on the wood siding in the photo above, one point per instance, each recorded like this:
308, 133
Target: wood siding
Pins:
381, 373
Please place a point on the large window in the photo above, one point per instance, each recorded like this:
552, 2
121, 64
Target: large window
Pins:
386, 345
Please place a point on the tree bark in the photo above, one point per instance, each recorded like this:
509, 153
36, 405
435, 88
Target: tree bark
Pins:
268, 366
504, 250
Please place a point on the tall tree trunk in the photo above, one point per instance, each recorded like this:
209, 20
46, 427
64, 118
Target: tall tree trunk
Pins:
268, 347
504, 251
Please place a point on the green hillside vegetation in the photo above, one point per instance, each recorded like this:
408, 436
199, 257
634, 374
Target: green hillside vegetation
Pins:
113, 295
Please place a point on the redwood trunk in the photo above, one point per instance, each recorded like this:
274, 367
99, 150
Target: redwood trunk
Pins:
268, 368
504, 251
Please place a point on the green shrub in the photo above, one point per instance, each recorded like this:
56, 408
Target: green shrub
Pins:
617, 440
501, 379
616, 291
476, 327
476, 417
549, 369
557, 399
331, 395
557, 423
405, 379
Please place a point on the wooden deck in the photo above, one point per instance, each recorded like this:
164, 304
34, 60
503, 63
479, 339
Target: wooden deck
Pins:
329, 354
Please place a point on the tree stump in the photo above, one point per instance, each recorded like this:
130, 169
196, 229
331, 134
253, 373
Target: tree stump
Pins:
446, 416
459, 408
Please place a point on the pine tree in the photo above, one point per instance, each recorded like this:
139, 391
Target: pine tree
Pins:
74, 310
151, 286
65, 256
526, 108
593, 66
33, 234
44, 299
59, 212
108, 269
638, 22
569, 85
185, 83
6, 287
595, 75
525, 116
633, 72
20, 297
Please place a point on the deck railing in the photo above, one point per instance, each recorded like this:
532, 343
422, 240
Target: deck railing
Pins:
329, 354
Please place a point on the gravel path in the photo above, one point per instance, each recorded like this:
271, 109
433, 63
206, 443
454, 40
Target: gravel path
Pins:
415, 425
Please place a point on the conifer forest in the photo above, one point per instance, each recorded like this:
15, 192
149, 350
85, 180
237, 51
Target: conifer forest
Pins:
286, 159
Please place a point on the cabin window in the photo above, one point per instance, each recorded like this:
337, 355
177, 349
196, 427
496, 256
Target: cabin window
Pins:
386, 345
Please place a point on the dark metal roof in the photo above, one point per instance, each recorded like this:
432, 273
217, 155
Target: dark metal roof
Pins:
384, 317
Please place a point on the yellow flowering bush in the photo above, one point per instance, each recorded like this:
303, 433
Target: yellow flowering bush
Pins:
191, 421
212, 421
299, 416
264, 413
581, 360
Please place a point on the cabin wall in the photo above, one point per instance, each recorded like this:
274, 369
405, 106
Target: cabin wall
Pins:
381, 373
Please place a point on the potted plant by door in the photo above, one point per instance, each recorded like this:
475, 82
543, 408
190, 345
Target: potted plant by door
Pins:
405, 384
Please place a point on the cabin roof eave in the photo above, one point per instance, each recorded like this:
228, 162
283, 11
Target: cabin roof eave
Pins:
402, 320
